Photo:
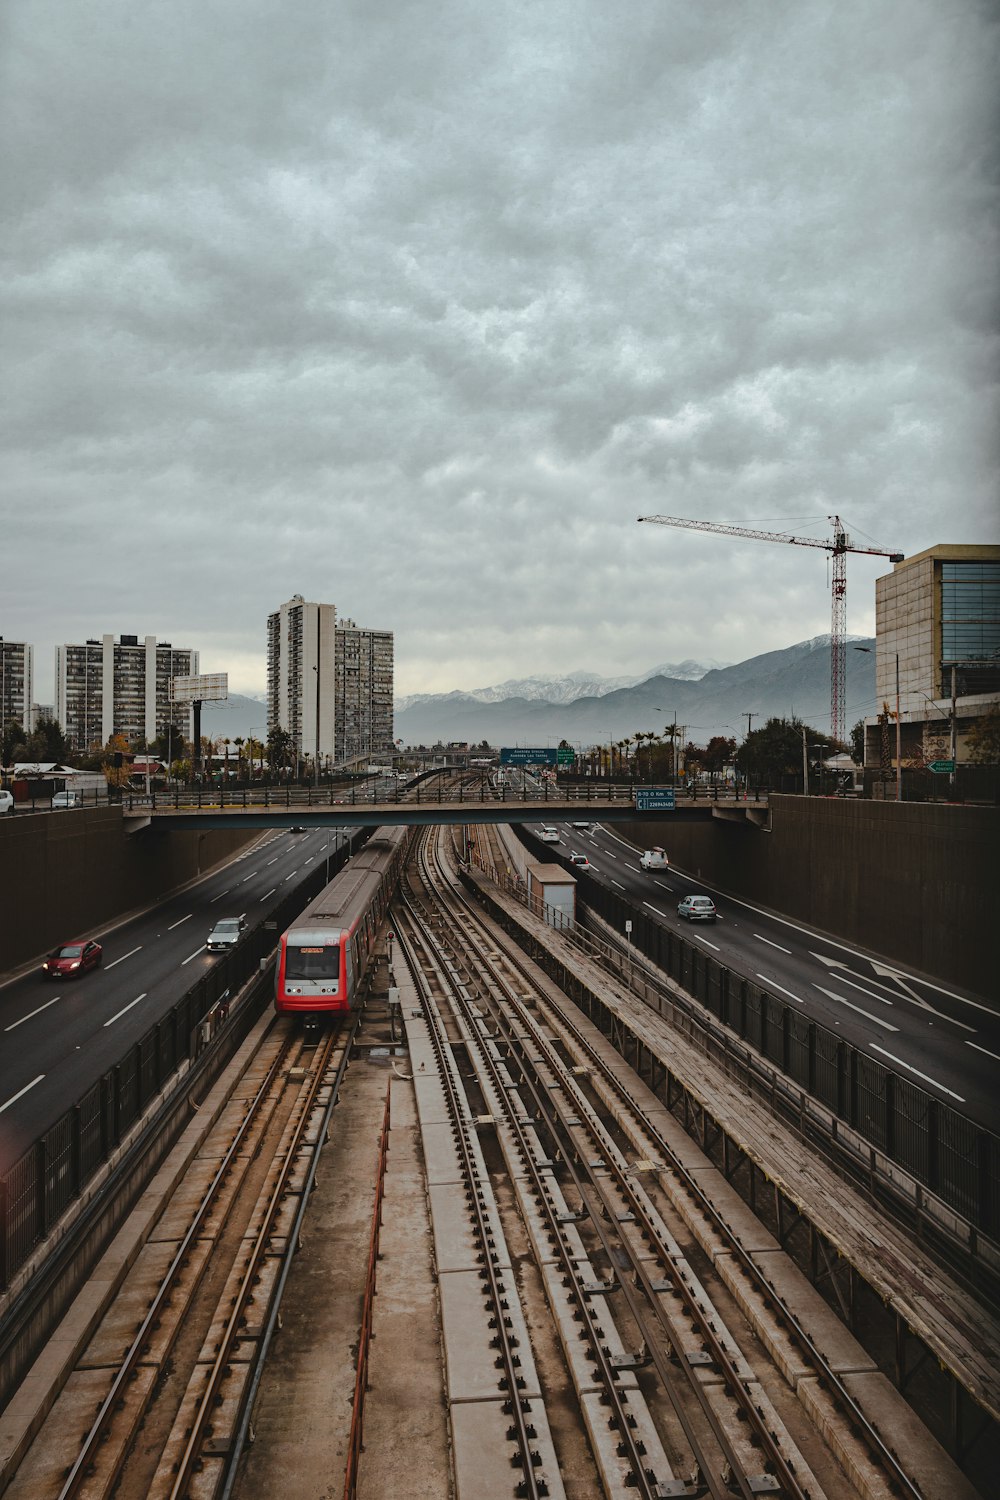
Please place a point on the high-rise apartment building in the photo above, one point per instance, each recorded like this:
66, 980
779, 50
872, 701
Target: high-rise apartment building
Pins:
329, 684
122, 687
16, 683
364, 686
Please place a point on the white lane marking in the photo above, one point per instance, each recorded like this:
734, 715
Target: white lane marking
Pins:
772, 945
851, 1006
248, 877
908, 994
288, 877
843, 979
21, 1092
705, 941
910, 1069
659, 913
968, 1044
617, 883
192, 955
773, 985
15, 1024
312, 857
177, 924
273, 861
123, 957
219, 896
663, 885
269, 893
126, 1007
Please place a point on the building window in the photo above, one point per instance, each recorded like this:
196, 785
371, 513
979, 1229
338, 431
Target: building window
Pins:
970, 627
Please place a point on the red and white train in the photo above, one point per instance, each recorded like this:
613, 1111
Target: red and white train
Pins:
323, 956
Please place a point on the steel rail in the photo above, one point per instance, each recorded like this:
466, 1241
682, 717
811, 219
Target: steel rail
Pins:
714, 1484
78, 1471
644, 1483
835, 1383
355, 1440
242, 1428
454, 1098
231, 1333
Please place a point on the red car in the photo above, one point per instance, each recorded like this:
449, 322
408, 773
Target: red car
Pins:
72, 959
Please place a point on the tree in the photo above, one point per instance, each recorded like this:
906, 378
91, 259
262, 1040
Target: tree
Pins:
775, 750
718, 753
115, 762
857, 737
47, 741
13, 743
983, 739
280, 750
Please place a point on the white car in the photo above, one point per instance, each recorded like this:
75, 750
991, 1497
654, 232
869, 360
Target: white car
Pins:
581, 861
654, 859
66, 799
548, 834
6, 802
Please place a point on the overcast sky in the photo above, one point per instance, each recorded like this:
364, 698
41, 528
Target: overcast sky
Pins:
414, 308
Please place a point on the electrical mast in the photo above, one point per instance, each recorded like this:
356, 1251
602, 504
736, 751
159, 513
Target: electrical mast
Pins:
838, 547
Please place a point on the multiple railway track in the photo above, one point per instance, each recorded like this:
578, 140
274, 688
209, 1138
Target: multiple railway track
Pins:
654, 1360
165, 1406
587, 1288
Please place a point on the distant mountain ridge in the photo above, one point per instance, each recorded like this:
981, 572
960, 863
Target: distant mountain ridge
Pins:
561, 689
722, 700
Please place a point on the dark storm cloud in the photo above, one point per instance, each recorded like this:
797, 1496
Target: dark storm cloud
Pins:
417, 310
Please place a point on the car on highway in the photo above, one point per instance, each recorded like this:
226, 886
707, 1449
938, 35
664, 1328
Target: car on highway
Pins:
548, 834
66, 799
580, 861
697, 909
582, 825
6, 802
70, 960
226, 934
654, 859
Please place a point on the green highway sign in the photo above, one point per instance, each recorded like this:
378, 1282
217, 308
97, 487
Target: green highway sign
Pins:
942, 767
655, 799
565, 757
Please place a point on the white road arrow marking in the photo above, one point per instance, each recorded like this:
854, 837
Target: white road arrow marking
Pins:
908, 994
851, 1006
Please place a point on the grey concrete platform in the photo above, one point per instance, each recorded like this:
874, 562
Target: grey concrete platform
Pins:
482, 1453
471, 1352
455, 1248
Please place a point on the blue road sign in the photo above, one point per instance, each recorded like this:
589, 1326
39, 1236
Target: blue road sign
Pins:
655, 799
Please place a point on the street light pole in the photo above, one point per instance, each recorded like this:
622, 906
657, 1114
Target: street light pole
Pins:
899, 741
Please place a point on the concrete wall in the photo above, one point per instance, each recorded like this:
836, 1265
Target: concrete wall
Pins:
67, 873
915, 881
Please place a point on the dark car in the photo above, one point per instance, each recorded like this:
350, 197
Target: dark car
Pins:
72, 959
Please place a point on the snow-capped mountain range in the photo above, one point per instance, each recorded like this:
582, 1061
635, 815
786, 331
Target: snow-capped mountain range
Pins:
562, 689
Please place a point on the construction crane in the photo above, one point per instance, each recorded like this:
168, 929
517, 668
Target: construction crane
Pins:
838, 547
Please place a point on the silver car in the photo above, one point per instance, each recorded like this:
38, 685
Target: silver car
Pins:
226, 934
697, 909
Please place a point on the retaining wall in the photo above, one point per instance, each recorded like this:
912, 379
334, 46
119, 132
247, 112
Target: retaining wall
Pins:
67, 873
915, 881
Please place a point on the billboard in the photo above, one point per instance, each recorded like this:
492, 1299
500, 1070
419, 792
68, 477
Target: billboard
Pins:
210, 688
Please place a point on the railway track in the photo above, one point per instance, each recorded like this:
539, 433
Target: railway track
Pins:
163, 1394
609, 1206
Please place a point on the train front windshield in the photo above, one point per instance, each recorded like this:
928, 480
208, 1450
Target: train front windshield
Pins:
313, 962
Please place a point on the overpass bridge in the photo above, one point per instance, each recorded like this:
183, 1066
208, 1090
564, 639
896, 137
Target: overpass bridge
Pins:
423, 805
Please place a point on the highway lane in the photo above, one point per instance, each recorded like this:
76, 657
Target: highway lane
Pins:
58, 1038
943, 1038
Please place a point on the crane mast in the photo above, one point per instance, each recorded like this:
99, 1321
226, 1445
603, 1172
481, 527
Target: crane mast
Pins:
839, 548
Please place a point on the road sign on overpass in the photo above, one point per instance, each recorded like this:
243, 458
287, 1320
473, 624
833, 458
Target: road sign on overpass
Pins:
542, 757
655, 799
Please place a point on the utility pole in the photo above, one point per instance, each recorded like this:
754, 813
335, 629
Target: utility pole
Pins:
954, 733
805, 763
899, 741
749, 718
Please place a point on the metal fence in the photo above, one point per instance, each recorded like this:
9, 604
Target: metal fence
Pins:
36, 1190
941, 1149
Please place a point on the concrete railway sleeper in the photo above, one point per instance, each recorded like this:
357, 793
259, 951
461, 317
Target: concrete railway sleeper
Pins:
173, 1393
873, 1465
